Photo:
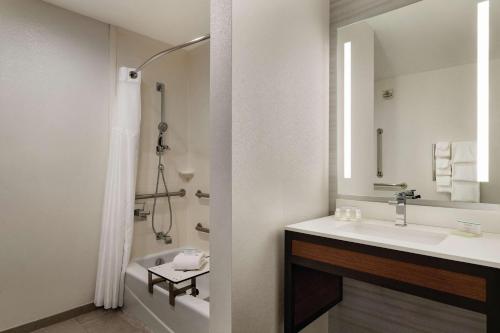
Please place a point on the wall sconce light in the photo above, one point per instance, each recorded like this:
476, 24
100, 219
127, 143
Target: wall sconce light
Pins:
347, 109
483, 90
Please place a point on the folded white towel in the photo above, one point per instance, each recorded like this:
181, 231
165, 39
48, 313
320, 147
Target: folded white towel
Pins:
465, 172
443, 149
189, 261
465, 191
463, 152
444, 172
442, 163
443, 181
443, 189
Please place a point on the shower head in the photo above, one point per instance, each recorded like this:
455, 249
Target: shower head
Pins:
162, 127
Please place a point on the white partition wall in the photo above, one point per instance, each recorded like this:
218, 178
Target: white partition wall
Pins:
279, 152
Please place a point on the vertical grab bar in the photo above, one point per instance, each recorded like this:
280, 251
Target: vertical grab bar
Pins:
433, 162
380, 172
160, 87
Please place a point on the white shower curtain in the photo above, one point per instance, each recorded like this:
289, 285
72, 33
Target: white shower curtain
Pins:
118, 209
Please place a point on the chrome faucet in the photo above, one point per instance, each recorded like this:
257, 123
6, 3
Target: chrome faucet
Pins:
400, 203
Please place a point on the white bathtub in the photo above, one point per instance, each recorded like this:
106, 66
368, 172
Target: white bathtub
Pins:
190, 314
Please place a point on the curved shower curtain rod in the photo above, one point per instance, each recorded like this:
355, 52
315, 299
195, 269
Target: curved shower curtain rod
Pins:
133, 74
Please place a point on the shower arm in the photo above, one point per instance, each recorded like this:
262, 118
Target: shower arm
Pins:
133, 74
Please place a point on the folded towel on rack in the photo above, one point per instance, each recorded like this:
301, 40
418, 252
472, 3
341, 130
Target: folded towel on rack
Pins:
442, 163
443, 172
443, 149
189, 261
465, 172
463, 152
443, 189
443, 181
443, 184
465, 191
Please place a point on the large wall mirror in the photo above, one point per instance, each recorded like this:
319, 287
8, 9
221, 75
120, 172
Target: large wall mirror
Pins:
418, 103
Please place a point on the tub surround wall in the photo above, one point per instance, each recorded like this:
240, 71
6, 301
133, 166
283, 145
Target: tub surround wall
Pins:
131, 50
185, 75
53, 138
198, 143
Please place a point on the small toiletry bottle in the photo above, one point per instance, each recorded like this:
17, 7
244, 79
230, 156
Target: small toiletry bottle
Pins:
358, 215
348, 214
343, 214
337, 214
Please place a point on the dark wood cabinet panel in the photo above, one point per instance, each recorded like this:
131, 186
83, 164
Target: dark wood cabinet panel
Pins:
315, 267
460, 284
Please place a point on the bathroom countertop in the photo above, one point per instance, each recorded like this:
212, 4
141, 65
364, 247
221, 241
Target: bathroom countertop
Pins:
483, 250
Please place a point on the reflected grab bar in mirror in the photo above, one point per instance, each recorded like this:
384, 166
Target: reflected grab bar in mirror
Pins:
389, 187
380, 172
433, 162
200, 194
199, 227
180, 193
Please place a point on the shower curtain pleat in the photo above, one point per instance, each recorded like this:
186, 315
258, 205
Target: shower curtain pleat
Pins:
119, 196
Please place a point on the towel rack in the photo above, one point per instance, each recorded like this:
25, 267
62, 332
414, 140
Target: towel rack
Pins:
199, 227
389, 187
180, 193
200, 194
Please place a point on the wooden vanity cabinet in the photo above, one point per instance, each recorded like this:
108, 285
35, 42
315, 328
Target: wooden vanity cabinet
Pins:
315, 266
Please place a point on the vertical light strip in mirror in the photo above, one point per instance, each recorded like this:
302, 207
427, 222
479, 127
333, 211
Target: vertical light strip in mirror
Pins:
483, 87
347, 109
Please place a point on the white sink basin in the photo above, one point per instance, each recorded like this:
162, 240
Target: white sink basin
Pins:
394, 232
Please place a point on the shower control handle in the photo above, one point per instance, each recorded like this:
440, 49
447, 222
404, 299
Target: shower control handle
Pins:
141, 213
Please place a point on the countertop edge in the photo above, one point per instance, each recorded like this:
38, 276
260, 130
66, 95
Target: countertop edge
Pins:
401, 248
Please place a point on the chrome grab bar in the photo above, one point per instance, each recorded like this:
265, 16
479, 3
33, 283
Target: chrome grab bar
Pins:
380, 172
389, 187
199, 227
200, 194
433, 162
180, 193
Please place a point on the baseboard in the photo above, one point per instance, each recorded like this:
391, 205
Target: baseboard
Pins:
37, 324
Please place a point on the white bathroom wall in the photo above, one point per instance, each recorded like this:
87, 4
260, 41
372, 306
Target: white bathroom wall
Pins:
269, 126
186, 78
53, 141
221, 166
279, 146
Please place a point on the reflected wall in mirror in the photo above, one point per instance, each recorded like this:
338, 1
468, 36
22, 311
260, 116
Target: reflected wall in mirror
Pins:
420, 74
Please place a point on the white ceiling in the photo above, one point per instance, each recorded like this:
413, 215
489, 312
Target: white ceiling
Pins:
170, 21
428, 35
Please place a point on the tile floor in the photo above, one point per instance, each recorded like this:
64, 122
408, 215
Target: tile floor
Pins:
98, 321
